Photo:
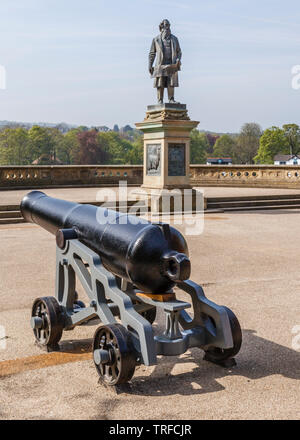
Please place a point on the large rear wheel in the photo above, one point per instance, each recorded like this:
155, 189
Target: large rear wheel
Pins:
114, 355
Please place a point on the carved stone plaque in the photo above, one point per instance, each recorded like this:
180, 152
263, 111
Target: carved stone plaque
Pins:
153, 159
176, 160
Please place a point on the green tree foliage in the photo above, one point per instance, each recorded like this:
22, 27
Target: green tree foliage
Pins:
292, 134
226, 146
136, 154
248, 142
81, 145
199, 147
272, 142
116, 147
14, 146
68, 147
42, 143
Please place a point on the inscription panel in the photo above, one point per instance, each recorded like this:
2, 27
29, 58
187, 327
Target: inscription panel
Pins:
176, 160
153, 159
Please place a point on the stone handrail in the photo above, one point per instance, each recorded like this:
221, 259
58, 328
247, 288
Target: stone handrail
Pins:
43, 176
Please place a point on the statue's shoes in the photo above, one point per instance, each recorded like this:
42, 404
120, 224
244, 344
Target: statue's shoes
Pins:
160, 101
172, 101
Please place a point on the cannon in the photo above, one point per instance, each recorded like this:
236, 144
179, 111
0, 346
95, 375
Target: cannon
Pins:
128, 267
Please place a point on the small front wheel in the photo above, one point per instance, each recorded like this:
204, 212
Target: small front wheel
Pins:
219, 355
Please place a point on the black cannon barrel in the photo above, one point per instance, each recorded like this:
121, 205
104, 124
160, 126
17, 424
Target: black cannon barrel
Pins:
149, 255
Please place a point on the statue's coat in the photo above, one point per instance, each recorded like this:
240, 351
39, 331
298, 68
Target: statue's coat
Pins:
156, 50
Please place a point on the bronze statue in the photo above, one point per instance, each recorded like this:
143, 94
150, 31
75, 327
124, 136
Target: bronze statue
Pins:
165, 47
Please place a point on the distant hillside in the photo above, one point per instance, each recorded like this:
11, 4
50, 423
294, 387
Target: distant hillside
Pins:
61, 125
64, 127
217, 133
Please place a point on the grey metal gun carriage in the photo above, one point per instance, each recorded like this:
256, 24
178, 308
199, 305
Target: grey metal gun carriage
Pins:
128, 268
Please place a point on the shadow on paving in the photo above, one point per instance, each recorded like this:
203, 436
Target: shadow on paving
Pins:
258, 358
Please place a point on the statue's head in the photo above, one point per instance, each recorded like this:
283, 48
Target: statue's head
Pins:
164, 25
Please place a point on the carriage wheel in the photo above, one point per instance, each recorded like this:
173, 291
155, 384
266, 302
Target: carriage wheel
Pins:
219, 355
46, 321
114, 355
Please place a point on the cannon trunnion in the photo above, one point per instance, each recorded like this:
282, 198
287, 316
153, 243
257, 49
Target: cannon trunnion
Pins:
128, 268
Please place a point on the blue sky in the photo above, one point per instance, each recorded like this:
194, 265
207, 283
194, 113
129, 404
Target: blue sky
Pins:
85, 62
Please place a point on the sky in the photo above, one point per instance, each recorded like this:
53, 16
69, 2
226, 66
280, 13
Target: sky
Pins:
86, 62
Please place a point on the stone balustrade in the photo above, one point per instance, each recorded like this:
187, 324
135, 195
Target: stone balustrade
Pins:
271, 176
43, 176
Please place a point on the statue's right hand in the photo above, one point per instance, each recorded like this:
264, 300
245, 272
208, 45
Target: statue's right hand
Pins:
151, 70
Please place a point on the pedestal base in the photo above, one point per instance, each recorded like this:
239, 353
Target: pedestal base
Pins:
183, 200
166, 129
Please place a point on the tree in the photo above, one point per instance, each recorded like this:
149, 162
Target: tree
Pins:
226, 146
212, 139
272, 142
89, 152
14, 146
292, 134
116, 147
68, 147
41, 143
199, 147
135, 155
248, 142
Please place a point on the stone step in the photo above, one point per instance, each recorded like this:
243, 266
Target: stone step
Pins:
252, 203
7, 221
115, 204
10, 214
258, 197
260, 208
9, 208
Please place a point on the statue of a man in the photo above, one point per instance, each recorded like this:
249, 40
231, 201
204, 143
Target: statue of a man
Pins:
165, 47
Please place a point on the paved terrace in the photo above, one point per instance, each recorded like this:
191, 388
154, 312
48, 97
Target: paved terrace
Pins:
247, 261
92, 194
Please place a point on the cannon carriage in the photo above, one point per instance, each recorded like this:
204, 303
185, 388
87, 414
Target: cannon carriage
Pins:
128, 268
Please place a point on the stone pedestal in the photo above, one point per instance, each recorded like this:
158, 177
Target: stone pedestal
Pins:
166, 129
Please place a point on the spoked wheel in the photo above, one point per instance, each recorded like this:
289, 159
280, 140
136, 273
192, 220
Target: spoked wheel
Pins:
113, 354
46, 322
220, 355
